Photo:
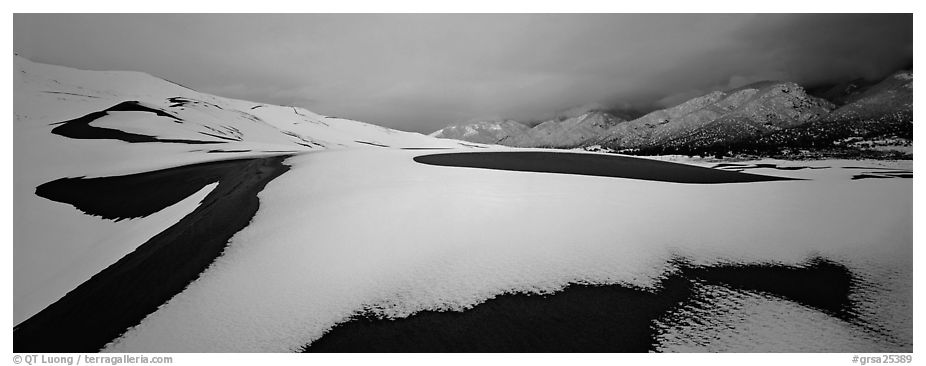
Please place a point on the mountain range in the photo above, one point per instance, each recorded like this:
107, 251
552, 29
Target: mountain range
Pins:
765, 118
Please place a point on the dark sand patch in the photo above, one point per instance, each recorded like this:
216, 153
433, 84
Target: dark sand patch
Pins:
135, 195
302, 140
867, 168
221, 137
182, 102
469, 145
228, 151
179, 102
892, 172
74, 94
594, 165
120, 296
583, 318
371, 143
880, 175
740, 167
820, 284
80, 128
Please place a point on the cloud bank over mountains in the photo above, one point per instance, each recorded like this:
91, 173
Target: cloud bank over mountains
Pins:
420, 72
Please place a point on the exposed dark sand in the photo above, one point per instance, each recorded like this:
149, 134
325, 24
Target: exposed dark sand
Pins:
583, 318
871, 167
304, 142
179, 102
80, 128
593, 164
228, 151
220, 137
739, 167
878, 174
882, 176
182, 102
819, 283
74, 94
135, 195
371, 143
468, 145
120, 296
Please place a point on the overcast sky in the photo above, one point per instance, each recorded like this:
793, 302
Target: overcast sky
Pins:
423, 72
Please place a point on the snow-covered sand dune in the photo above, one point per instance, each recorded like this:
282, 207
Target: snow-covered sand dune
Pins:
144, 108
357, 225
363, 229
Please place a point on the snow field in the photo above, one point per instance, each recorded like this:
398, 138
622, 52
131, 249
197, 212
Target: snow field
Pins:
354, 230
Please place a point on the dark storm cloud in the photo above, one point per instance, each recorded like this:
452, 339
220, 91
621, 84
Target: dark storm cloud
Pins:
421, 72
809, 49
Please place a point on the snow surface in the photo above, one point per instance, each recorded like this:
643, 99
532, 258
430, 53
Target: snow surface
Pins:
390, 235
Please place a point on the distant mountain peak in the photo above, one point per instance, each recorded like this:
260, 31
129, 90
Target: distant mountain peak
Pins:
485, 131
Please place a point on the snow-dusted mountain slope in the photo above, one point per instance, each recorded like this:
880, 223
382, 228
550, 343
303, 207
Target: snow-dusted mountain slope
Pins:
559, 132
752, 109
76, 123
487, 132
568, 132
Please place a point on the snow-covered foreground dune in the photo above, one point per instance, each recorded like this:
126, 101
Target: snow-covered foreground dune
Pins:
357, 226
361, 229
